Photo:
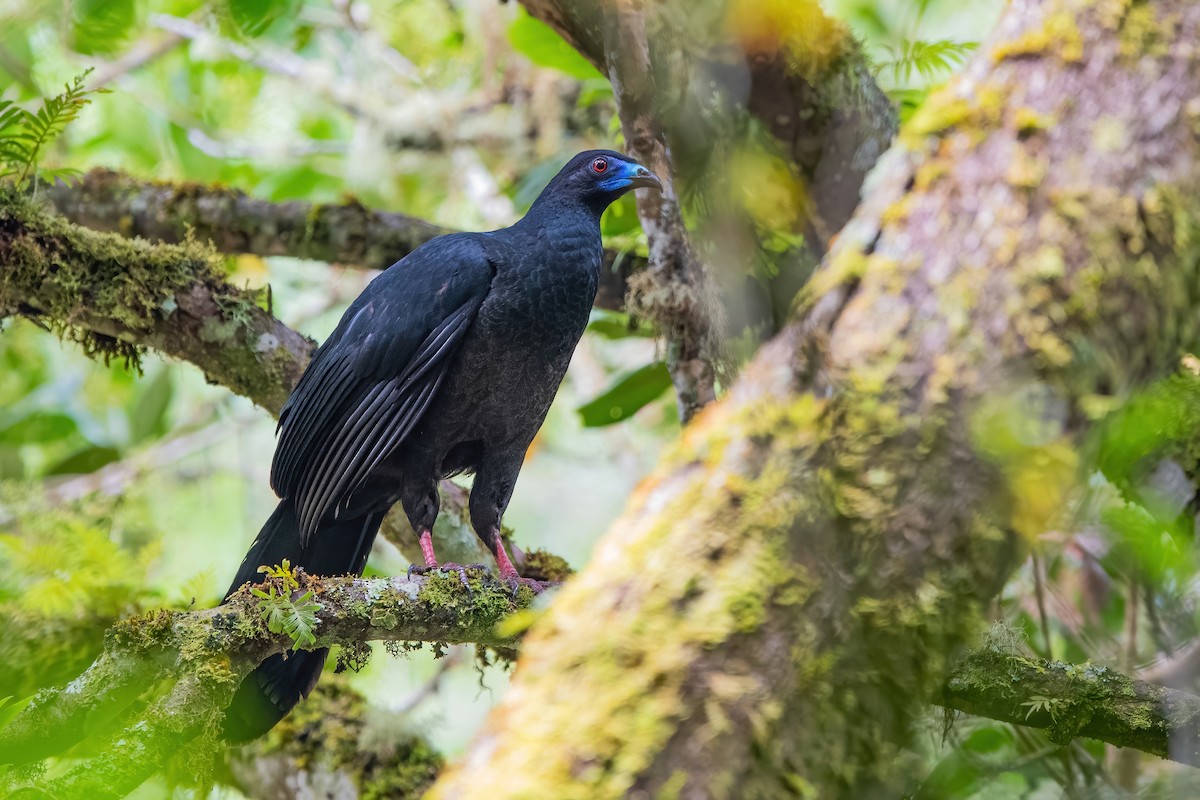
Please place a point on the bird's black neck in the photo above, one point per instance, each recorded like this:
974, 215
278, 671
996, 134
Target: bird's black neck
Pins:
566, 209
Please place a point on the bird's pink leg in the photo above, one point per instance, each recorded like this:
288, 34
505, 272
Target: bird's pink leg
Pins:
509, 574
431, 562
427, 549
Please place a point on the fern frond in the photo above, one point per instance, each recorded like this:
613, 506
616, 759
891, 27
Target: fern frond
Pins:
68, 175
24, 135
928, 59
297, 618
10, 115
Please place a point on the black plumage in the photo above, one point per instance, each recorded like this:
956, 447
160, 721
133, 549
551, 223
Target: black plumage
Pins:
446, 363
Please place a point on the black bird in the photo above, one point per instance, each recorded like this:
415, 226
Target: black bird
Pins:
445, 364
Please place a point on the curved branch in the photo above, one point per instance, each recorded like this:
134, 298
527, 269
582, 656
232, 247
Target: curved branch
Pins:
209, 652
346, 233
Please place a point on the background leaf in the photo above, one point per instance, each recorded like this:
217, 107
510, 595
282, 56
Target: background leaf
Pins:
538, 42
627, 395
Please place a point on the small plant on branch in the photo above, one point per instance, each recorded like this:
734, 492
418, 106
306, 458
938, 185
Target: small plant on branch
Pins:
297, 617
25, 135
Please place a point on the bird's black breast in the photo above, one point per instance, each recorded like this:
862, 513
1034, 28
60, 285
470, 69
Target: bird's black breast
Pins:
517, 350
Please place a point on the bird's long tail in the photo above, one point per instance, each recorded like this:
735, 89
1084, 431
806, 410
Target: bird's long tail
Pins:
339, 548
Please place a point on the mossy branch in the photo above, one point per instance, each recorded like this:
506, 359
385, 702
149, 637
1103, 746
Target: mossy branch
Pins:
207, 653
116, 296
1070, 701
345, 233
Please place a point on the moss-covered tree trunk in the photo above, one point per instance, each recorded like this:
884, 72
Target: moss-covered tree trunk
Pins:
786, 591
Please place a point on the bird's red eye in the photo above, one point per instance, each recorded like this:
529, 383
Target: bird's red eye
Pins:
599, 165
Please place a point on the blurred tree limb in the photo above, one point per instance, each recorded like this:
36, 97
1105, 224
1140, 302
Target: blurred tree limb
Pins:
1069, 701
782, 594
345, 233
794, 69
207, 653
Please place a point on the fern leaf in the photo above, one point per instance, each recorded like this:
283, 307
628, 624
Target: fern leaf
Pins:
29, 134
928, 59
10, 115
301, 621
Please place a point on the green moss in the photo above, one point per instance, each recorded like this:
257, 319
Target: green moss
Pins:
329, 731
545, 566
1028, 122
945, 110
1147, 32
142, 632
69, 269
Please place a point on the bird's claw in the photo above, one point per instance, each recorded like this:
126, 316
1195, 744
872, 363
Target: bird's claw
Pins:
515, 582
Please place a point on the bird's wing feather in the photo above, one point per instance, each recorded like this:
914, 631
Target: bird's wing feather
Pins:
376, 375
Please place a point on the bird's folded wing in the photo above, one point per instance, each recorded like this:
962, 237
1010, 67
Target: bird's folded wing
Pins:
371, 382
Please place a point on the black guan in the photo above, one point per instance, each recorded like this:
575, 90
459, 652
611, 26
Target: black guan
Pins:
446, 363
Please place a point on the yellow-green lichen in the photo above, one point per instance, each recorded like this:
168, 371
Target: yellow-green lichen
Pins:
1059, 35
1029, 122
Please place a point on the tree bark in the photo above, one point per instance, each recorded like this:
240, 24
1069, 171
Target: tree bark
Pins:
789, 587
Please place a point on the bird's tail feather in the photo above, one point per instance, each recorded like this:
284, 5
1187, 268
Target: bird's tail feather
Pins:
268, 693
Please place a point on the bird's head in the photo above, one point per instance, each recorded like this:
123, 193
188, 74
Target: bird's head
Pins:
599, 177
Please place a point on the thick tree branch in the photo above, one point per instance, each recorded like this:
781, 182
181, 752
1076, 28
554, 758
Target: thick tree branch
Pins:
115, 295
1070, 701
209, 652
794, 579
346, 233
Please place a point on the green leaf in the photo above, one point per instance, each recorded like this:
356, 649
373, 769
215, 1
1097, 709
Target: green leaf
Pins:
23, 142
81, 462
928, 59
615, 325
629, 393
621, 217
298, 619
39, 427
149, 414
988, 739
102, 26
10, 709
12, 466
538, 42
253, 17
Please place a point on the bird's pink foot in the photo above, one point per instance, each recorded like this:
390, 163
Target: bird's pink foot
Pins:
509, 574
431, 563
